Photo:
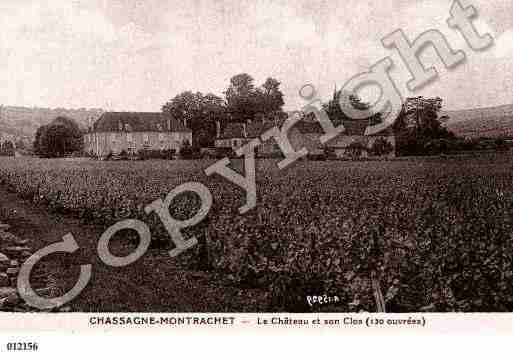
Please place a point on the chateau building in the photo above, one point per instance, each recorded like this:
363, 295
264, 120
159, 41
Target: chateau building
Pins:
115, 132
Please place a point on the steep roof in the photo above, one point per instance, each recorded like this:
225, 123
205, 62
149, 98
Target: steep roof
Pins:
351, 128
138, 122
306, 127
355, 127
255, 129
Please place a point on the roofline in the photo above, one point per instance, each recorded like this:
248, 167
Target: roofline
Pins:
163, 115
237, 138
134, 112
154, 131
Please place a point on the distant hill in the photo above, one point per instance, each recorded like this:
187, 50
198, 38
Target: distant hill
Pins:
23, 122
482, 122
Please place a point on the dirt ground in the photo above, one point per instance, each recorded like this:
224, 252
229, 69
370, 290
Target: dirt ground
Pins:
154, 283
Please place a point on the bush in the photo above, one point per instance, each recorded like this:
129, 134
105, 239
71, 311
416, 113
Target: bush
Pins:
186, 151
152, 154
501, 145
316, 157
123, 155
168, 154
356, 149
196, 153
222, 152
438, 146
148, 154
270, 155
381, 147
330, 154
60, 138
7, 149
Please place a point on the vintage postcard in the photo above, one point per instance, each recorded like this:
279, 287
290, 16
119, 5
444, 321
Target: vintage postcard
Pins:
233, 165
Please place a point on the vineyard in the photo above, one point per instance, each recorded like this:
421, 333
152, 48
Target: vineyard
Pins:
430, 235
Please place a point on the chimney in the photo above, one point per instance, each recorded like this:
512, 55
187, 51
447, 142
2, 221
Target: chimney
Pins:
218, 129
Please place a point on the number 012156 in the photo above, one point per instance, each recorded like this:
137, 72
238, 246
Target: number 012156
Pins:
22, 347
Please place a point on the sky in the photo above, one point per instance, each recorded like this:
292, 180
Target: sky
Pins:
135, 55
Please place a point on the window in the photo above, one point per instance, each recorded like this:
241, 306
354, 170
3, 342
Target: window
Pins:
146, 138
161, 137
129, 137
113, 137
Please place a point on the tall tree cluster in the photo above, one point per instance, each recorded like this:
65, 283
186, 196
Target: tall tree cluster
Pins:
246, 102
419, 124
418, 128
59, 138
340, 99
242, 102
199, 112
7, 149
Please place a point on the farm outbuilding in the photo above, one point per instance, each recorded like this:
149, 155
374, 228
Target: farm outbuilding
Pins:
354, 143
236, 135
306, 134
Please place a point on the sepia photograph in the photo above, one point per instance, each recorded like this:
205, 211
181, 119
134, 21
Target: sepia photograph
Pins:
256, 156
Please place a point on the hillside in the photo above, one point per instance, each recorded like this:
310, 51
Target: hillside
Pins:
482, 122
23, 122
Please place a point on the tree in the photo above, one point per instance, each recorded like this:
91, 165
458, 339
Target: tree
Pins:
20, 145
242, 98
61, 137
439, 146
7, 148
40, 143
340, 99
419, 124
247, 102
271, 99
186, 151
355, 149
381, 147
183, 107
200, 113
243, 102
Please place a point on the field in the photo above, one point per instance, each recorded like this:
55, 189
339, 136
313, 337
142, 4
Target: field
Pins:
431, 235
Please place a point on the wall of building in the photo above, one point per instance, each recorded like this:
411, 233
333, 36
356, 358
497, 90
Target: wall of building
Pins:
310, 141
341, 143
8, 137
266, 148
101, 144
233, 143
